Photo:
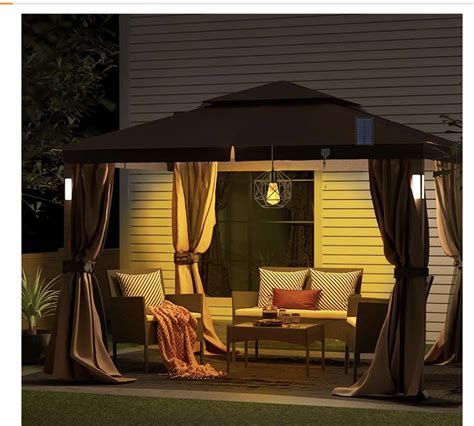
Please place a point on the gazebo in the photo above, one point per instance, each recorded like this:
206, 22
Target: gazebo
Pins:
289, 122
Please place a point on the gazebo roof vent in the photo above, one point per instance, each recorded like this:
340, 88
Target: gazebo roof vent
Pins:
279, 91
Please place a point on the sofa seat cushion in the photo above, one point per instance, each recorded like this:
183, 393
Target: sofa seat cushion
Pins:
196, 315
352, 321
305, 313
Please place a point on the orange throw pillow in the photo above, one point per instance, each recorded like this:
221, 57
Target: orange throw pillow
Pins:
295, 299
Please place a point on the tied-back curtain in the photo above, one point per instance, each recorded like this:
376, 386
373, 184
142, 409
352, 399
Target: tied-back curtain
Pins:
194, 217
448, 184
77, 350
397, 367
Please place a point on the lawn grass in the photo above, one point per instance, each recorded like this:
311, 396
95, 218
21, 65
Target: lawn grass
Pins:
62, 408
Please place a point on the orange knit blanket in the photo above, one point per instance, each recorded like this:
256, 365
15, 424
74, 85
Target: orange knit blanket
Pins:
176, 339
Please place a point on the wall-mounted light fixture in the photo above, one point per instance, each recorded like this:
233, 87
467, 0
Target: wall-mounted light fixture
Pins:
418, 186
68, 189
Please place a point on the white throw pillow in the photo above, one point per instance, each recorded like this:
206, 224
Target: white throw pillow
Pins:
336, 287
149, 286
286, 280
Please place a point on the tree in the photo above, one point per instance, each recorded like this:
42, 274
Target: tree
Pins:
65, 60
455, 127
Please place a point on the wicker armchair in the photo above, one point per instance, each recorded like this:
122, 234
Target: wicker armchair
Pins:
130, 323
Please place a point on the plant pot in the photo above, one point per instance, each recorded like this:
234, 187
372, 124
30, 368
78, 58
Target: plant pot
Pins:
34, 347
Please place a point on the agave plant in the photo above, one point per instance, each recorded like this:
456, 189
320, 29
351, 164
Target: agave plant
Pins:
38, 298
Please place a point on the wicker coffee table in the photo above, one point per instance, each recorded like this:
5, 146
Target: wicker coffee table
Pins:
304, 335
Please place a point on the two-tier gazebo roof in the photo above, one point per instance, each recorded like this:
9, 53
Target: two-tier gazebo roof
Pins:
298, 122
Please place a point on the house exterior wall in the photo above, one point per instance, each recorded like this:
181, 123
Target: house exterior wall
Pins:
406, 68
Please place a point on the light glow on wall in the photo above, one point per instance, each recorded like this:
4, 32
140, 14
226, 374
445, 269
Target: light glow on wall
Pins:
68, 189
418, 186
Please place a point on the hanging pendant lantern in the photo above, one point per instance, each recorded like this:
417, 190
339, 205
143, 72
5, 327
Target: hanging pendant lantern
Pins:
272, 190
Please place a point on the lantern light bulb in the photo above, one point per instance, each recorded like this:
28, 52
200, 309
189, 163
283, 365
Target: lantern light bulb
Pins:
273, 194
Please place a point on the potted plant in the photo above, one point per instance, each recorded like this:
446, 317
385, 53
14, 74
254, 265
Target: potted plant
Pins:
38, 300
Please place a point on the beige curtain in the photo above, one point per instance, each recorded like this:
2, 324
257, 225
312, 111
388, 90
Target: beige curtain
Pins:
77, 350
448, 345
194, 217
397, 368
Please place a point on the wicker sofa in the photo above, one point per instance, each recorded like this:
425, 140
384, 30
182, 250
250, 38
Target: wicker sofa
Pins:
245, 309
130, 323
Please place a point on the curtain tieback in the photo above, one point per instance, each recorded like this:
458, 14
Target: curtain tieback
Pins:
458, 263
186, 258
73, 266
410, 272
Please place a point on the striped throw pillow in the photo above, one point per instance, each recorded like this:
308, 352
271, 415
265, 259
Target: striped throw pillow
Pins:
149, 286
336, 287
291, 280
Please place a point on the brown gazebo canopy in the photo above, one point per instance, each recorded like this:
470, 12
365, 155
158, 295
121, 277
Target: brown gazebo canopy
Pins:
297, 121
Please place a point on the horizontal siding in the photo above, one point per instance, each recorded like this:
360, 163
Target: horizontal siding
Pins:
164, 25
150, 243
406, 68
350, 238
169, 22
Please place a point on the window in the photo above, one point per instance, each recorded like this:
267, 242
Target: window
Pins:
248, 236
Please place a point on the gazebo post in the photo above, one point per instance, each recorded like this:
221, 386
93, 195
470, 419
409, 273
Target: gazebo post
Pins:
419, 171
401, 361
420, 200
423, 394
57, 346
